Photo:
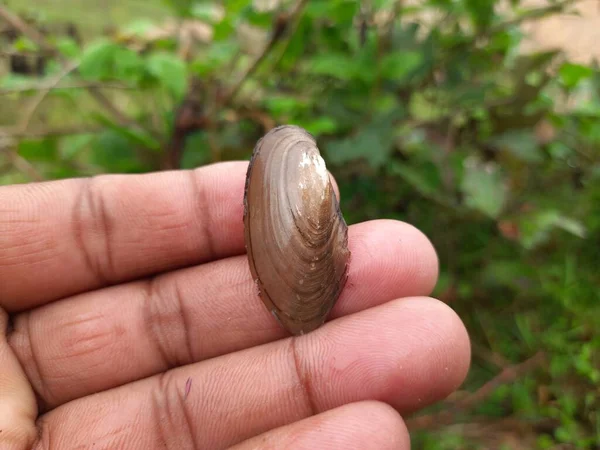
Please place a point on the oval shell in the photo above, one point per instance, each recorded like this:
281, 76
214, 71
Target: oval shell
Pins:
296, 236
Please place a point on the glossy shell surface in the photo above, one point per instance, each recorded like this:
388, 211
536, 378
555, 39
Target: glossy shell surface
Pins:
296, 236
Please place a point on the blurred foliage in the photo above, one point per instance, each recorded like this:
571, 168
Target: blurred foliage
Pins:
429, 114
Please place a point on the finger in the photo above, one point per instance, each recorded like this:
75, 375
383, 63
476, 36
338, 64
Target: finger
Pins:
82, 234
193, 314
359, 426
407, 353
17, 402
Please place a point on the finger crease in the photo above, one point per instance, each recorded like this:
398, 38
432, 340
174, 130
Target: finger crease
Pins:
167, 406
99, 220
152, 325
184, 322
303, 378
42, 391
200, 201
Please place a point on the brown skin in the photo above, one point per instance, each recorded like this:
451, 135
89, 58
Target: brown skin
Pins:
134, 323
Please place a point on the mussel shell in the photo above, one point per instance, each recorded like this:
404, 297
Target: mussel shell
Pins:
296, 236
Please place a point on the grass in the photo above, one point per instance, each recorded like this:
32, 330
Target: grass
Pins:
92, 17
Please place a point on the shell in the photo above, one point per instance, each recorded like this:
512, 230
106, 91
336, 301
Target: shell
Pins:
296, 236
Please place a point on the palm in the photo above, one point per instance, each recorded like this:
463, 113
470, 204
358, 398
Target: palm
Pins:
135, 324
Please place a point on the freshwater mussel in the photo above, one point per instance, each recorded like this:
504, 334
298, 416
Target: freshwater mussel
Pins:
296, 236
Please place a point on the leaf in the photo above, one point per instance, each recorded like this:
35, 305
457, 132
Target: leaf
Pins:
571, 74
398, 65
104, 60
536, 229
219, 53
424, 178
334, 65
38, 149
484, 189
139, 27
24, 44
279, 105
521, 143
481, 11
98, 59
113, 152
134, 136
205, 12
70, 146
373, 144
320, 125
171, 71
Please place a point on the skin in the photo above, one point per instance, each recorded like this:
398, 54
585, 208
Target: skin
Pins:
129, 319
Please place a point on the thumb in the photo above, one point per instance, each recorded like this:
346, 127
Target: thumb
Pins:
18, 406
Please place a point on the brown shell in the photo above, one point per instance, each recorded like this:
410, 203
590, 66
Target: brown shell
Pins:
296, 236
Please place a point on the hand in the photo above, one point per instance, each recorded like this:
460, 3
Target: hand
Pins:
129, 319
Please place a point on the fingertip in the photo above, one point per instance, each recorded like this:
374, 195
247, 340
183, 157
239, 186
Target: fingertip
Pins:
389, 424
445, 360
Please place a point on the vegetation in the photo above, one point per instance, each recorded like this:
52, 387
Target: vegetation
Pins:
429, 114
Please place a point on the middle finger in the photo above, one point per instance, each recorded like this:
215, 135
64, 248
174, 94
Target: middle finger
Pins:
103, 339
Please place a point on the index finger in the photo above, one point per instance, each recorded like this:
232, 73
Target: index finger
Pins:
60, 238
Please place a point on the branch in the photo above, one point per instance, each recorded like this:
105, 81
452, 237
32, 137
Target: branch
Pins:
39, 39
531, 14
446, 417
192, 117
18, 24
17, 161
37, 101
281, 26
45, 133
74, 85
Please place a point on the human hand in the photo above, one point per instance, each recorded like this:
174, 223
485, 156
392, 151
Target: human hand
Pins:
129, 319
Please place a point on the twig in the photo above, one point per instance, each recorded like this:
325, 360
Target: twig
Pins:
37, 101
25, 166
17, 23
44, 133
293, 27
74, 85
448, 416
489, 356
16, 160
531, 14
275, 37
39, 39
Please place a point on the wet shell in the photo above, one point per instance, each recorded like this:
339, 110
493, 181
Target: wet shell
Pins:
296, 236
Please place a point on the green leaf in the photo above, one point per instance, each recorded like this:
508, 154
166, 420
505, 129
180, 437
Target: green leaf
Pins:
373, 144
39, 149
521, 143
484, 189
171, 71
280, 105
218, 54
135, 136
112, 151
205, 12
138, 27
398, 65
537, 228
424, 178
98, 59
481, 11
571, 74
70, 146
104, 60
338, 65
180, 7
258, 18
321, 125
24, 44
